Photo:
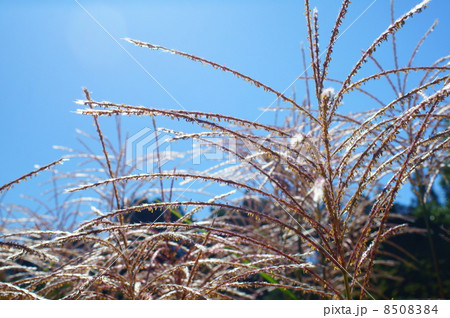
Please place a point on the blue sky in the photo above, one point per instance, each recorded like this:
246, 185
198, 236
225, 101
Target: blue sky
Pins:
50, 49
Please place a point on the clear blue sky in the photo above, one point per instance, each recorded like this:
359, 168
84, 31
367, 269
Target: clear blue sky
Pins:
50, 49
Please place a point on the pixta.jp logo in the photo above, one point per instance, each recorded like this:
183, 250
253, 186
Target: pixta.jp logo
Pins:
148, 150
143, 148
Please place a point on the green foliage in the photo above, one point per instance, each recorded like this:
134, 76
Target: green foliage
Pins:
415, 277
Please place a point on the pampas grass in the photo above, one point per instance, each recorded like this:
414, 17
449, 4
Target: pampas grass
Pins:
311, 197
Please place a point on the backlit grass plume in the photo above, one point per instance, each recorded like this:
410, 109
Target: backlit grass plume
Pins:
307, 202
